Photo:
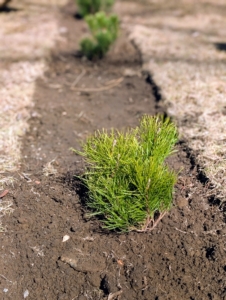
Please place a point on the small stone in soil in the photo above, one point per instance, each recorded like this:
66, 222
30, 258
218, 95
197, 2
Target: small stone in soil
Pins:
181, 202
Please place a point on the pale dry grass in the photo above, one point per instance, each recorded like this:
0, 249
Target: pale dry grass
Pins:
5, 208
49, 168
24, 46
16, 91
26, 37
178, 48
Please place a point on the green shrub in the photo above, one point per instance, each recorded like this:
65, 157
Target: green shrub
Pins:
104, 30
87, 7
129, 185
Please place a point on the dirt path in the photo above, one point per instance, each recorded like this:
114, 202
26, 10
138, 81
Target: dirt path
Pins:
183, 258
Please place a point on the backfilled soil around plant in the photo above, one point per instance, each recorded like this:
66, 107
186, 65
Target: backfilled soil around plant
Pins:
182, 258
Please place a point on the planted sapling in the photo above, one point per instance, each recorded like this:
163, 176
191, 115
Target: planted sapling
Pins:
104, 30
129, 184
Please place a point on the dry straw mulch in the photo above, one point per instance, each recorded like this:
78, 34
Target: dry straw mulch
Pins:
24, 46
181, 44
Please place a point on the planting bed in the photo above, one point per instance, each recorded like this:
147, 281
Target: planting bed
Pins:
182, 258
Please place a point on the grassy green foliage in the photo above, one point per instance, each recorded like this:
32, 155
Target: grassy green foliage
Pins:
129, 184
104, 30
87, 7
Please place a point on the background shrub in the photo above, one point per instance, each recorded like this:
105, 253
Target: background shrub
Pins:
87, 7
104, 30
129, 184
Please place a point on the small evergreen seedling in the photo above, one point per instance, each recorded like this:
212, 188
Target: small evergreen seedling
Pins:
87, 7
129, 185
104, 30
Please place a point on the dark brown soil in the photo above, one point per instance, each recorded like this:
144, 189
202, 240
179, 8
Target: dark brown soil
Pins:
182, 258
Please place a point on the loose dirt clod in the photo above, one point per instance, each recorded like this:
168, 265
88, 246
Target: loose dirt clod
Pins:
83, 262
72, 261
